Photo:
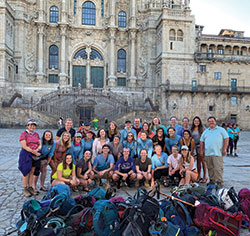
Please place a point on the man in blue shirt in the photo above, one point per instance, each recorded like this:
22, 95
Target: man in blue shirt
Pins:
103, 165
124, 169
213, 145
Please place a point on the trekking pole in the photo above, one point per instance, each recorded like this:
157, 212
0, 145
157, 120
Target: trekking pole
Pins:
177, 199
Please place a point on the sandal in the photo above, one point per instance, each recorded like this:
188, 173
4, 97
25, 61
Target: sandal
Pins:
86, 190
75, 189
43, 189
203, 180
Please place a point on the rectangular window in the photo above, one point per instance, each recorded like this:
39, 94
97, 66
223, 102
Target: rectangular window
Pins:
233, 100
233, 85
194, 85
233, 118
202, 68
220, 51
239, 53
16, 69
121, 82
211, 108
217, 75
53, 78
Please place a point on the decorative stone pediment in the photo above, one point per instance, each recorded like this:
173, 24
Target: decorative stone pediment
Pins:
79, 61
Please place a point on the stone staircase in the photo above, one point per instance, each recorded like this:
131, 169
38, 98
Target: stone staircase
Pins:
67, 102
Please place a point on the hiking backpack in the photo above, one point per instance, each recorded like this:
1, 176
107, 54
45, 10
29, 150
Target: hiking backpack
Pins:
244, 200
213, 218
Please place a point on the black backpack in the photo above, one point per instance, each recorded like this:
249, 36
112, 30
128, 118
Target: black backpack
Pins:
138, 216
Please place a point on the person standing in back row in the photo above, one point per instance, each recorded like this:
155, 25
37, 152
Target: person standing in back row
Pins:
68, 128
213, 144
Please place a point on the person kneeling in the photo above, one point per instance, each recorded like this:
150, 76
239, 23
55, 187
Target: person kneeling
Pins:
187, 170
103, 165
66, 173
124, 169
143, 168
84, 171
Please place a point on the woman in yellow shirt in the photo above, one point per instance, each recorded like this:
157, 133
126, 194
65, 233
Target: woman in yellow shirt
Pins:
66, 173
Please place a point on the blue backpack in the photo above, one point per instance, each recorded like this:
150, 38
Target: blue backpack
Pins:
98, 193
57, 189
165, 229
105, 217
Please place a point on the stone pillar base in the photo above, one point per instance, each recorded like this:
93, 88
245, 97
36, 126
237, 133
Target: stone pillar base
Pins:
132, 81
40, 77
112, 81
63, 80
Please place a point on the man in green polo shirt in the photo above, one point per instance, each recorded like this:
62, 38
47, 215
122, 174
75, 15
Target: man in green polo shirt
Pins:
213, 144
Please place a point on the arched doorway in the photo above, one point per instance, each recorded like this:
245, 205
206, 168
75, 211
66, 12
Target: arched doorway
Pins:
88, 69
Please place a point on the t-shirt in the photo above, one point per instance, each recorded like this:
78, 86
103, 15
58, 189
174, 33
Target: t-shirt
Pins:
214, 140
174, 161
32, 139
156, 141
47, 150
143, 166
125, 166
103, 163
60, 131
65, 172
84, 165
158, 162
229, 130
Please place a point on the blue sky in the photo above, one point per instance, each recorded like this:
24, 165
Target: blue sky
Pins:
215, 15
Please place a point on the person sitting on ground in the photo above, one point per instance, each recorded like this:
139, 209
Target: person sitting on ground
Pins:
126, 130
87, 142
131, 144
124, 169
159, 166
185, 126
145, 127
187, 170
29, 157
156, 124
103, 165
66, 173
67, 128
98, 143
62, 147
144, 142
159, 139
173, 165
116, 148
85, 173
143, 168
76, 148
188, 141
47, 152
171, 140
137, 125
112, 131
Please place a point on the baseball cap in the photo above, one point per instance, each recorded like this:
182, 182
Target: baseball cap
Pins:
31, 121
78, 135
184, 147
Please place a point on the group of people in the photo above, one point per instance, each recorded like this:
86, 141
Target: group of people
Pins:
141, 153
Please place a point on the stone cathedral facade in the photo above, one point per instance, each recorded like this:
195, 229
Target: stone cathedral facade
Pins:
148, 53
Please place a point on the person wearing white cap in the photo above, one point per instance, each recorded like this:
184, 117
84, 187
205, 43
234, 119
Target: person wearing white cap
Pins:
187, 170
31, 145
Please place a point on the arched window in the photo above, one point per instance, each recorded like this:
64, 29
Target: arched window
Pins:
81, 53
121, 60
53, 14
122, 19
88, 13
172, 35
53, 57
75, 6
179, 35
94, 54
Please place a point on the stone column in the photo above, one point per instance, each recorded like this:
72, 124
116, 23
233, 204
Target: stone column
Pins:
40, 73
88, 69
63, 75
132, 78
112, 10
64, 12
112, 77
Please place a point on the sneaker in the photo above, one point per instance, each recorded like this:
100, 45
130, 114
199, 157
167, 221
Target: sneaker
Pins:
118, 184
235, 154
26, 192
100, 182
31, 190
